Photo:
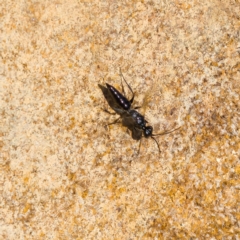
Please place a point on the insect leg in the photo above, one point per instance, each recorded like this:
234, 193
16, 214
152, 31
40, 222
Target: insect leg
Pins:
119, 110
105, 110
131, 101
122, 84
114, 122
140, 143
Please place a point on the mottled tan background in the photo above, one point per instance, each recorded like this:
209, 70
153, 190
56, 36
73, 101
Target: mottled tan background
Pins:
64, 175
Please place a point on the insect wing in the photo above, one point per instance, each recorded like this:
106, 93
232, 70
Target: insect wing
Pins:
136, 133
128, 120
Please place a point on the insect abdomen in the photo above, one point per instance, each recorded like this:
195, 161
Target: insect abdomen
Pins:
119, 98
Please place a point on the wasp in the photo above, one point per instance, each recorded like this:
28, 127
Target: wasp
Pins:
131, 118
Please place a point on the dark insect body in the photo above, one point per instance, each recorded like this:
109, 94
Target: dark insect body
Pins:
119, 98
130, 116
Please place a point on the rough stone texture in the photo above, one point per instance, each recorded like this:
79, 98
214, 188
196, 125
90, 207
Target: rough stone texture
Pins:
64, 175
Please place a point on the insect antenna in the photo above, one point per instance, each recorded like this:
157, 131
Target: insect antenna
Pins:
167, 132
156, 143
163, 133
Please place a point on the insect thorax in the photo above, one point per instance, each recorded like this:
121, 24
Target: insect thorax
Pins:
138, 118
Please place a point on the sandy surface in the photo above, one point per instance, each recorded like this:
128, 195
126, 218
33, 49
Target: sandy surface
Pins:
64, 175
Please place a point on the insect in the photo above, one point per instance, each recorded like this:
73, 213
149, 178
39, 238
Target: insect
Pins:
131, 118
